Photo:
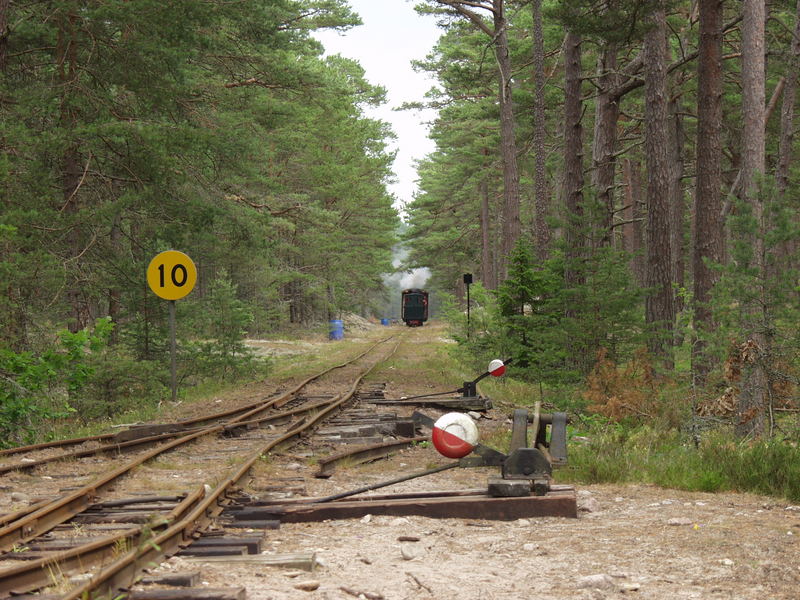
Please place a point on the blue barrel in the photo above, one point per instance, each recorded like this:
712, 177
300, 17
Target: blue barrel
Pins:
337, 329
384, 321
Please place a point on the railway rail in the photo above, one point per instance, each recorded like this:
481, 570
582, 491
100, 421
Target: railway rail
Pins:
148, 528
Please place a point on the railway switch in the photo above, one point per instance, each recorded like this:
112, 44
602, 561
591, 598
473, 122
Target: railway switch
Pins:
526, 468
496, 369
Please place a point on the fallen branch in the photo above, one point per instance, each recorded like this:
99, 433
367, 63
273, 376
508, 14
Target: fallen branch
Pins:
367, 595
419, 583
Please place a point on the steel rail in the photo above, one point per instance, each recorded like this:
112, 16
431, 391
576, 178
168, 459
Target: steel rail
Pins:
35, 574
48, 516
37, 522
364, 454
276, 417
54, 444
280, 399
123, 572
63, 509
10, 517
116, 447
244, 413
119, 446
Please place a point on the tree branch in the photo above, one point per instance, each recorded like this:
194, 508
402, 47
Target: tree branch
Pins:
253, 81
458, 6
80, 183
633, 67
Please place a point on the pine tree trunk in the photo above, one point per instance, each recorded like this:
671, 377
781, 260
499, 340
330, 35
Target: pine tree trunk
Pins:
508, 146
573, 154
605, 138
752, 398
632, 230
707, 232
4, 31
659, 305
71, 169
787, 111
676, 204
509, 216
114, 294
330, 310
146, 354
487, 270
786, 138
541, 232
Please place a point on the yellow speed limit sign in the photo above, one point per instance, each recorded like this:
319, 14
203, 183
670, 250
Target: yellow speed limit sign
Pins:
171, 275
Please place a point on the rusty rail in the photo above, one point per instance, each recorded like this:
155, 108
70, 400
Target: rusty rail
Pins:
63, 509
244, 413
35, 574
191, 516
122, 573
363, 454
54, 444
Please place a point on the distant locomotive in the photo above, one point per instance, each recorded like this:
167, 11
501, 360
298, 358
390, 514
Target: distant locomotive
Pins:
414, 307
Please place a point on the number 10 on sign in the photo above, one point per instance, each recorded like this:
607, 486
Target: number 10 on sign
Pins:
172, 275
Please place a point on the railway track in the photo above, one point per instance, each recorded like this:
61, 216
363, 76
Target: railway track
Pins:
146, 497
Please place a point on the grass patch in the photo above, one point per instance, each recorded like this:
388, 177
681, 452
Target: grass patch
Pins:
419, 356
165, 465
619, 454
509, 392
327, 354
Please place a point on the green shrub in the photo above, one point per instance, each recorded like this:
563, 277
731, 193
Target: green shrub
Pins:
36, 388
553, 331
119, 384
764, 467
213, 344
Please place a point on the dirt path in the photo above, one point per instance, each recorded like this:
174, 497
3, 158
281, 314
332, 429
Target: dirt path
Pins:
637, 541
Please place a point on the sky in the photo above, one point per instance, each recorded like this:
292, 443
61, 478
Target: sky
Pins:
391, 37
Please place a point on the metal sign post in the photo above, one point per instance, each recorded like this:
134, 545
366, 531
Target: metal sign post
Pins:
467, 282
172, 275
173, 350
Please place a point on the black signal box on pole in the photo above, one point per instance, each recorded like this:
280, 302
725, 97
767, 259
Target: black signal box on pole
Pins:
467, 281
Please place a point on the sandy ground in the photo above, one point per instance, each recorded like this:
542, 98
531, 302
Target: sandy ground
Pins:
629, 541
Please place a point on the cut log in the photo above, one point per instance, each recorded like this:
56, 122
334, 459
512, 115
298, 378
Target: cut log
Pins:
463, 403
361, 441
189, 594
143, 431
253, 544
186, 579
303, 561
140, 500
213, 551
256, 524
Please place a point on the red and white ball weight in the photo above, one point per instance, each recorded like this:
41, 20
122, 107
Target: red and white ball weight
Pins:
454, 435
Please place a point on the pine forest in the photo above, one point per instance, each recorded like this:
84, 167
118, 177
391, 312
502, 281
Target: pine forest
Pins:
621, 177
